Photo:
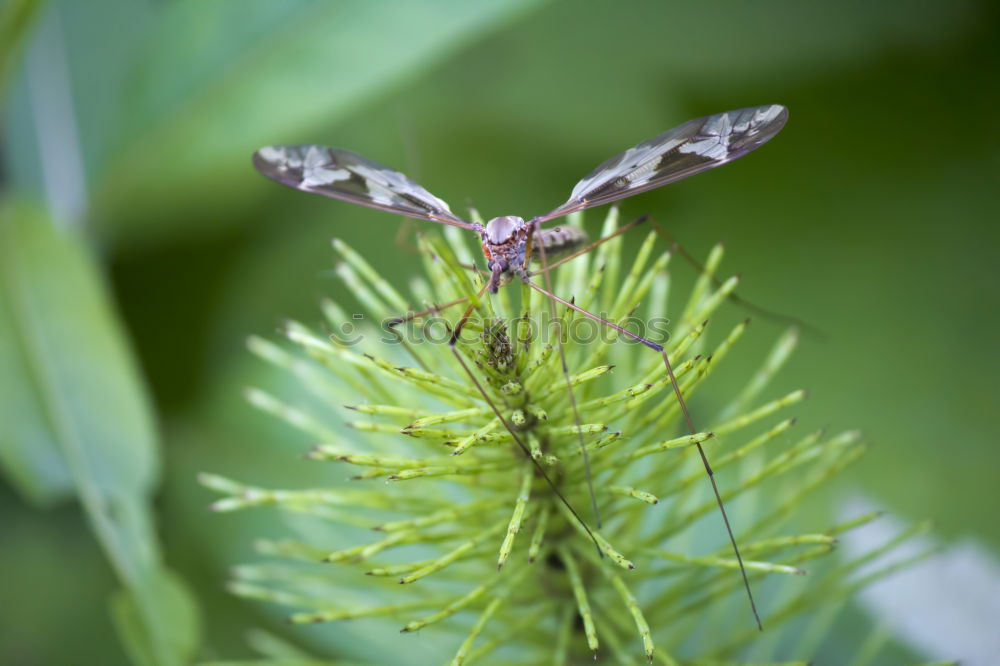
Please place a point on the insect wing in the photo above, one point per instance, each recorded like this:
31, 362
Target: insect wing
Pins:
695, 146
344, 175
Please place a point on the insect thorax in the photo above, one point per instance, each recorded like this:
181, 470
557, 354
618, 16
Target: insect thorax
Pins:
505, 242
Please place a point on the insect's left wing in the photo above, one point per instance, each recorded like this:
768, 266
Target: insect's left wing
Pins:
695, 146
344, 175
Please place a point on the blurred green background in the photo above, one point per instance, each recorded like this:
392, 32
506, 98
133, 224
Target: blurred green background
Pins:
128, 127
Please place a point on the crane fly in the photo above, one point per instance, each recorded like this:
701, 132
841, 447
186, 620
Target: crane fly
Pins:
509, 241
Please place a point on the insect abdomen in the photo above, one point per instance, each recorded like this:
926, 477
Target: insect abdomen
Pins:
560, 241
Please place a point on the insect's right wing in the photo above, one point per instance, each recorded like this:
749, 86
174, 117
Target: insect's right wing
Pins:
695, 146
344, 175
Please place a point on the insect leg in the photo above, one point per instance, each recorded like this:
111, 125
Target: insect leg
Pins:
390, 326
591, 315
452, 344
569, 387
690, 424
591, 246
392, 323
734, 297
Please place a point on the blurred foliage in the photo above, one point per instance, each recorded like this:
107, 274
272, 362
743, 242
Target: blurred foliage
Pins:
76, 420
130, 125
16, 17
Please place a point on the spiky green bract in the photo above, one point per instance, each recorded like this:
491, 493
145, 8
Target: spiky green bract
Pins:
446, 527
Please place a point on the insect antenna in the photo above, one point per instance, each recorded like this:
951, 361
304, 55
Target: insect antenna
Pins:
453, 345
569, 386
688, 419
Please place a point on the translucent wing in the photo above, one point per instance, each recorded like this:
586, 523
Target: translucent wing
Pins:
341, 174
695, 146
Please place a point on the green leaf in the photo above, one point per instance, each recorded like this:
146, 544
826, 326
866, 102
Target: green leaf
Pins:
222, 79
72, 406
74, 417
175, 605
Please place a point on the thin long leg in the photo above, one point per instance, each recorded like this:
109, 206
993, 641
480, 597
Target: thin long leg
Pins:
591, 315
715, 487
408, 347
734, 297
690, 424
569, 387
452, 344
468, 312
687, 256
392, 323
587, 248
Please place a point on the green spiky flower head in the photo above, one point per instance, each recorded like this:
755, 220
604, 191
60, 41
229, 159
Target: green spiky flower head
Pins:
448, 523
